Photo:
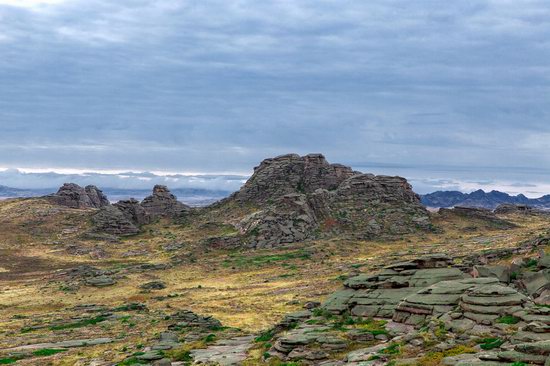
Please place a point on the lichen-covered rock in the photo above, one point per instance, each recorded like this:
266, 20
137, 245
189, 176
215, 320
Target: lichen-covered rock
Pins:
74, 196
162, 203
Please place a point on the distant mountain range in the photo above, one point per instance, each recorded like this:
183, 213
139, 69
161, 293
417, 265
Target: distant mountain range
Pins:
480, 198
190, 196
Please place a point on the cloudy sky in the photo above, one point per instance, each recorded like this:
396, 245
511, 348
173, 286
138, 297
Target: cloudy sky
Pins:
452, 94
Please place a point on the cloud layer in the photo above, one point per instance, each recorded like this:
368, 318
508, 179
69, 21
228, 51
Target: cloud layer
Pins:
215, 86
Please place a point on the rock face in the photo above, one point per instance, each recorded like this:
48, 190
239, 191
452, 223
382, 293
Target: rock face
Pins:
133, 211
297, 198
74, 196
162, 203
111, 220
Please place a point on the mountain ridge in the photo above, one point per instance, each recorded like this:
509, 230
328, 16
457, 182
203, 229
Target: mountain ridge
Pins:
481, 199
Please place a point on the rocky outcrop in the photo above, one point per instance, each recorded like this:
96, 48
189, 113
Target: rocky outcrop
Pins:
295, 198
291, 173
111, 220
434, 312
127, 216
133, 211
378, 295
162, 203
74, 196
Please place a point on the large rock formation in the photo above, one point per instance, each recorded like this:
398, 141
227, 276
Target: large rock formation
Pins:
287, 174
295, 198
74, 196
162, 203
111, 220
127, 216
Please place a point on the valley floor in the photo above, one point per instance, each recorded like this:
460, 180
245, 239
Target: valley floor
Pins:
44, 299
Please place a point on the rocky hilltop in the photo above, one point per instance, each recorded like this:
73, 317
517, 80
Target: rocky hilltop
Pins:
288, 199
74, 196
287, 174
298, 197
124, 217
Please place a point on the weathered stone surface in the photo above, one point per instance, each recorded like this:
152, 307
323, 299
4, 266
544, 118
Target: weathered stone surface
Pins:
502, 273
153, 285
133, 211
100, 281
74, 196
291, 174
436, 300
535, 283
187, 318
162, 203
298, 198
230, 352
109, 219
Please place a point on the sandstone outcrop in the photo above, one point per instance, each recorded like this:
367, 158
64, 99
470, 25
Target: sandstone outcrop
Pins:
74, 196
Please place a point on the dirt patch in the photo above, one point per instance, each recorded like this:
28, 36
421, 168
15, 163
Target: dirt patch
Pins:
14, 266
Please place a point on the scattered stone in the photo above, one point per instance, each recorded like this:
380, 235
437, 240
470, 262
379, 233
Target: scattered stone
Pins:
100, 281
153, 285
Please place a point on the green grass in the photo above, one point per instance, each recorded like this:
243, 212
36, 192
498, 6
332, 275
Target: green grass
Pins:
392, 349
7, 361
79, 324
264, 337
48, 352
210, 338
131, 361
508, 319
490, 343
261, 260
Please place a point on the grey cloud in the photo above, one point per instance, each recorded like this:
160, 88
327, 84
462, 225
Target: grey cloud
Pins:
216, 86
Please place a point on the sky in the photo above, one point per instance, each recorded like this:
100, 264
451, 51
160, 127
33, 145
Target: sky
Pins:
450, 94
